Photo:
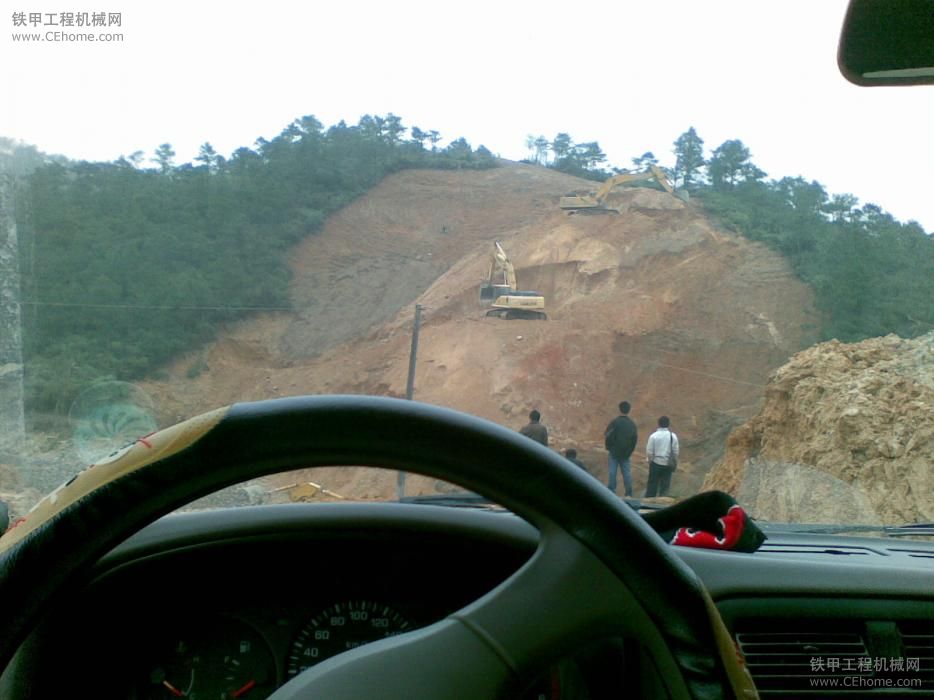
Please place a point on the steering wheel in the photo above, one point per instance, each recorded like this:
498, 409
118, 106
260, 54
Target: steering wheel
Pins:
599, 568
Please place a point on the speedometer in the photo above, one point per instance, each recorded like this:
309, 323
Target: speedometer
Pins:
340, 627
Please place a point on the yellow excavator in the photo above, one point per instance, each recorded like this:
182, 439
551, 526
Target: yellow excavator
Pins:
500, 291
596, 201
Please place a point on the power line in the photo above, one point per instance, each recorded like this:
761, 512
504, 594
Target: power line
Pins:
697, 372
147, 307
144, 307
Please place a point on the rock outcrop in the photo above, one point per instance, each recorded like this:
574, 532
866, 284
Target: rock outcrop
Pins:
846, 434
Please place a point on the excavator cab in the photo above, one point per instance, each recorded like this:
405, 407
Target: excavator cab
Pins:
490, 292
500, 291
595, 202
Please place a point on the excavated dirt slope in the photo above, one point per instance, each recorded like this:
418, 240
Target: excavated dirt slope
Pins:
654, 305
846, 434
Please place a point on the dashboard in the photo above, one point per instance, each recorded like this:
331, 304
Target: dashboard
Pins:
234, 603
231, 604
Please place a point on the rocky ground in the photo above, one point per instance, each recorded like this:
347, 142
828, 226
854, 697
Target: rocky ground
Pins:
846, 434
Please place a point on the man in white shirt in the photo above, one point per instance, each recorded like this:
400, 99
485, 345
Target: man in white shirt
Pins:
661, 447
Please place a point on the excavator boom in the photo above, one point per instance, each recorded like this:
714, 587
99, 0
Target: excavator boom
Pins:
597, 200
500, 265
501, 292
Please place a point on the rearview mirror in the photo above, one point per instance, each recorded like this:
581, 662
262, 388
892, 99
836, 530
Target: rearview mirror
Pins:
888, 42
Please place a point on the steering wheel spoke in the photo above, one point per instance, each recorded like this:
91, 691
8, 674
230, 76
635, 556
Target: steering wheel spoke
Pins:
493, 647
537, 614
599, 570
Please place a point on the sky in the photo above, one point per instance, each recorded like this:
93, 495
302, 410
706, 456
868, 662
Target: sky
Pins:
632, 75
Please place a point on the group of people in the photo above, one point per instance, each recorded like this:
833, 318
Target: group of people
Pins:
620, 439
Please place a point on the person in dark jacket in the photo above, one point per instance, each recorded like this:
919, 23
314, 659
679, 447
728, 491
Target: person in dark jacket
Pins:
571, 454
534, 429
620, 440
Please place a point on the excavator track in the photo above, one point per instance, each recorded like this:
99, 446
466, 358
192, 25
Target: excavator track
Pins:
594, 202
594, 210
502, 292
518, 314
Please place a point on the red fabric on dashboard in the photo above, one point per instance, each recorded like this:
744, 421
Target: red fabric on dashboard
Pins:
732, 526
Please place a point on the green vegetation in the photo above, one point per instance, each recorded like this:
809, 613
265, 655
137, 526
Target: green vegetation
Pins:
580, 159
124, 267
872, 275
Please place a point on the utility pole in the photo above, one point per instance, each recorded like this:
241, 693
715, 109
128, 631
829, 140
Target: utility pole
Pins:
410, 385
12, 420
413, 353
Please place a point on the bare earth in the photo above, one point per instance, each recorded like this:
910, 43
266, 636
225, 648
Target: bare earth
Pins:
846, 435
655, 305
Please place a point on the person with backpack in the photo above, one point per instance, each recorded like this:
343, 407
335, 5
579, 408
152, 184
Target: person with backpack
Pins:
662, 453
620, 438
534, 428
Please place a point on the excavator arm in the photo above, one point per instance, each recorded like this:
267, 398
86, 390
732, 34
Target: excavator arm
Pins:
500, 291
500, 265
597, 199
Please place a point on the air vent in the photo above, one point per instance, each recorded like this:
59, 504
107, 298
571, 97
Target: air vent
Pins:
790, 659
918, 650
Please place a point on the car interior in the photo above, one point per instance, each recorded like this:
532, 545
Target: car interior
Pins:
522, 595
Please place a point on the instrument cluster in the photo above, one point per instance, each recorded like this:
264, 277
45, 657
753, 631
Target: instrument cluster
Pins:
235, 657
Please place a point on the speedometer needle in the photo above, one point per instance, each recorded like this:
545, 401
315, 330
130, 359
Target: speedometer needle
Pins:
244, 690
172, 689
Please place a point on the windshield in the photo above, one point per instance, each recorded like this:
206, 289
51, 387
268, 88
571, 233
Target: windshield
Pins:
668, 240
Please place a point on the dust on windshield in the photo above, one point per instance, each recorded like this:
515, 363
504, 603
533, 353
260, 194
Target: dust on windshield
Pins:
746, 283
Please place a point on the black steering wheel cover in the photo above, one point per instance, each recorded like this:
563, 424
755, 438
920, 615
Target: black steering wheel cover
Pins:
255, 439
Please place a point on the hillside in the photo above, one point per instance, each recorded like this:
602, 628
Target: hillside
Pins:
846, 430
654, 305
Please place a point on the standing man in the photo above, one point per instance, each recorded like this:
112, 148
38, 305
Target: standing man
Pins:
662, 453
571, 454
534, 429
620, 438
